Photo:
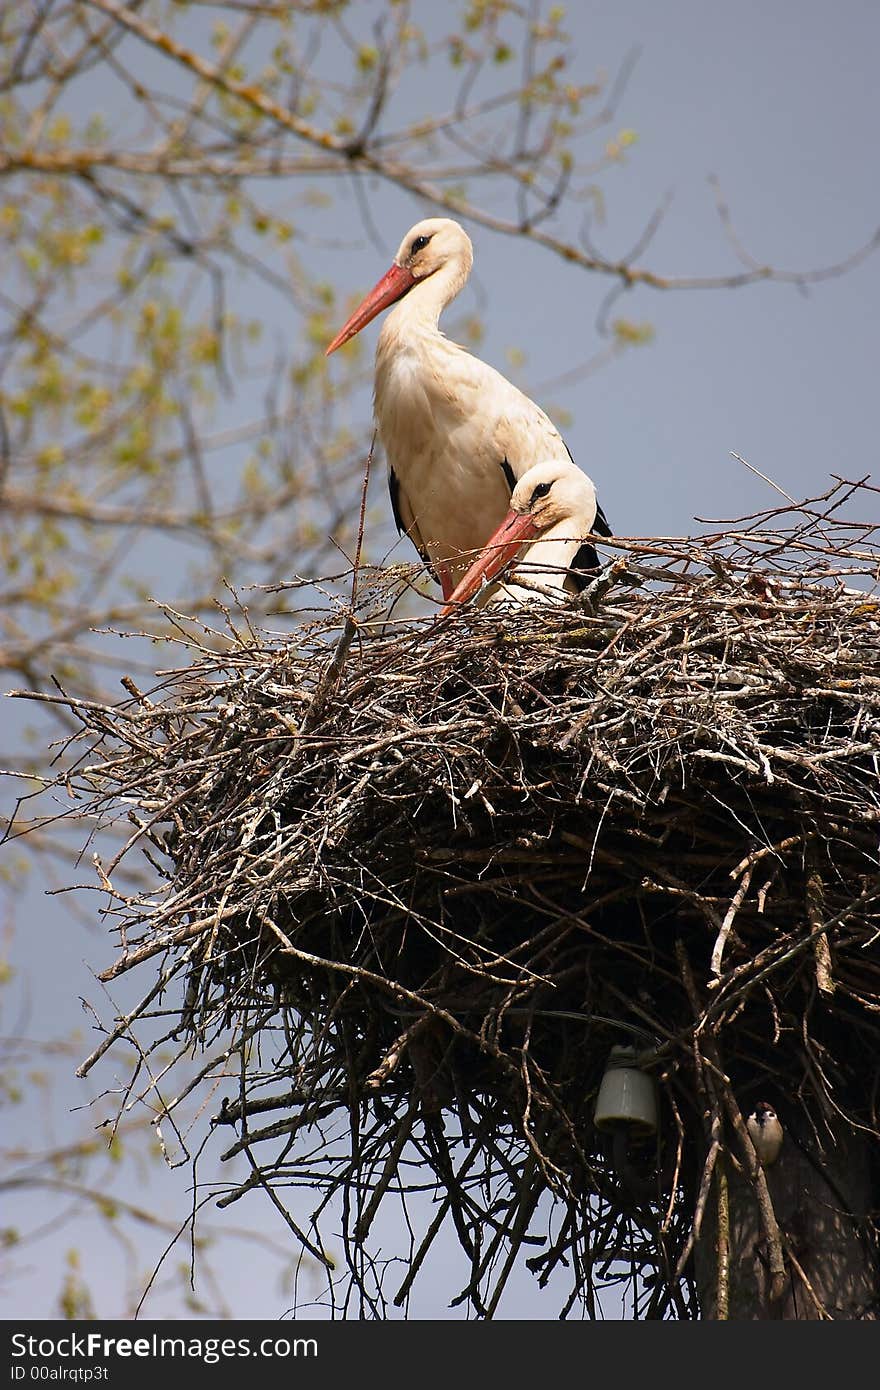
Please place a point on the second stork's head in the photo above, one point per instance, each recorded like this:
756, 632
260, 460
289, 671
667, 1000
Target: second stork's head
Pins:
552, 501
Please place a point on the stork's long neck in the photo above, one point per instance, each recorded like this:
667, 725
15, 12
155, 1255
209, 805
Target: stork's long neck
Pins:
419, 311
547, 558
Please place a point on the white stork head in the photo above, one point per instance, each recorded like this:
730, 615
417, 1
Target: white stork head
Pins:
437, 246
554, 492
555, 501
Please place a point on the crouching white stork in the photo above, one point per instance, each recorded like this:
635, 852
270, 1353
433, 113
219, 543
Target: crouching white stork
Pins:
457, 435
552, 512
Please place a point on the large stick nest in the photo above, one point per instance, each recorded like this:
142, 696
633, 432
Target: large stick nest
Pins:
419, 880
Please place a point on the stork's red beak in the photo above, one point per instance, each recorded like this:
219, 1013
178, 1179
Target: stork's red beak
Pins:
393, 286
499, 550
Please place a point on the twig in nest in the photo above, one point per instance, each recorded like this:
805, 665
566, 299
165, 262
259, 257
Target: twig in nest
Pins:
722, 1296
330, 679
816, 916
821, 1310
724, 930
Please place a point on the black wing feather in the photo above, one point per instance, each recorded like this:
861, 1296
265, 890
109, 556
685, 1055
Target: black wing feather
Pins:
403, 530
600, 525
394, 490
585, 565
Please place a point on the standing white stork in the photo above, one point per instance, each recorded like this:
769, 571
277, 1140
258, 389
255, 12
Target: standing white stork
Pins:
457, 435
552, 511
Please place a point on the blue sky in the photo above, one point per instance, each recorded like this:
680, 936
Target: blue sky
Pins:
780, 102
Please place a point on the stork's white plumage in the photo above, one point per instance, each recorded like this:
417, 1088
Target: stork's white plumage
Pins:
552, 512
457, 435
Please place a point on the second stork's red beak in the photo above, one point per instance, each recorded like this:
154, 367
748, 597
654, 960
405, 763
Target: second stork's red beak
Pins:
499, 550
393, 286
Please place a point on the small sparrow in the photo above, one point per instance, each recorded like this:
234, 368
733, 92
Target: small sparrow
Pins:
765, 1132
